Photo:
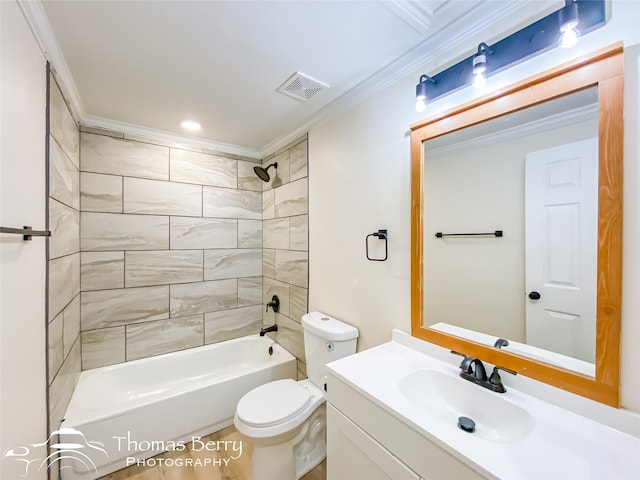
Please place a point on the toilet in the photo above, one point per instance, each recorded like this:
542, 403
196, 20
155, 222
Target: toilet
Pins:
285, 420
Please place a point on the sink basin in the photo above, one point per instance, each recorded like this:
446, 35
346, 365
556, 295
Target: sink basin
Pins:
447, 398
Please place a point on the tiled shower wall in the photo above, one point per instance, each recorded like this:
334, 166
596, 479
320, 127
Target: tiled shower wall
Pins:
64, 257
286, 245
171, 248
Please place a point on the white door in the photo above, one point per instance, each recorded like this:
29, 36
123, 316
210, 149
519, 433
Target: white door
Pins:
561, 223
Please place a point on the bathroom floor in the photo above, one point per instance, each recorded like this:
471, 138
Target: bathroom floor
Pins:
235, 469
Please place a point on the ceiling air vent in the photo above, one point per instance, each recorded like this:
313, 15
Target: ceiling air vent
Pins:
301, 87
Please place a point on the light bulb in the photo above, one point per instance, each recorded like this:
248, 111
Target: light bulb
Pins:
421, 106
478, 80
569, 35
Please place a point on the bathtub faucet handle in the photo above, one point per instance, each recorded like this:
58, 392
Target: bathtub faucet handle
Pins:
274, 303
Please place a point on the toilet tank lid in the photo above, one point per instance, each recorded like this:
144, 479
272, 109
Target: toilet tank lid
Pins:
328, 327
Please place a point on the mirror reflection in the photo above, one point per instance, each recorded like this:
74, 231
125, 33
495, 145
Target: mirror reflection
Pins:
533, 176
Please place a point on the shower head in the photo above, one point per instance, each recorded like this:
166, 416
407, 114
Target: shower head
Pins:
262, 172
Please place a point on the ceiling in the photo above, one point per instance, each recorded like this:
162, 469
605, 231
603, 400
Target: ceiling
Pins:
145, 66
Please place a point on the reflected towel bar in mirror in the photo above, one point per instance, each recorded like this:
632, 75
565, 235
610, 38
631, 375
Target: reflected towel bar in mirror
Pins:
27, 232
496, 233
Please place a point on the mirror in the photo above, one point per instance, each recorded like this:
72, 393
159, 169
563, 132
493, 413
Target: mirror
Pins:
531, 175
585, 363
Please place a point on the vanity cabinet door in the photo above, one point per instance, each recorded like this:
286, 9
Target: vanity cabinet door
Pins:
353, 454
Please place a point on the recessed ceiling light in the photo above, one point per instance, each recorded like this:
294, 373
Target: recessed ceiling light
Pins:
191, 125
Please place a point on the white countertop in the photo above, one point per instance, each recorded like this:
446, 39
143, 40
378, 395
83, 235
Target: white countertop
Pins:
560, 445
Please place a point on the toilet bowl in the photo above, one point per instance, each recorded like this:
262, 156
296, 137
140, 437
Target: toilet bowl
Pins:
285, 419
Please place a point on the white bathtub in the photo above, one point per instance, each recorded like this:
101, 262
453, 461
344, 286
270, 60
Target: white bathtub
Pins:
140, 408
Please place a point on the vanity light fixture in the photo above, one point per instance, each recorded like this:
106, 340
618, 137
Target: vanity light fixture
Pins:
569, 32
191, 125
480, 65
421, 92
531, 40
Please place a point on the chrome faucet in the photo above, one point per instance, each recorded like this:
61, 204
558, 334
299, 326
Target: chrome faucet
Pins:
272, 328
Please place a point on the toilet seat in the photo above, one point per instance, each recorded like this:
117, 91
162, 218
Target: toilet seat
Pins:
276, 407
273, 403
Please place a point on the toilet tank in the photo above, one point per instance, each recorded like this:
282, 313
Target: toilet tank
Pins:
325, 340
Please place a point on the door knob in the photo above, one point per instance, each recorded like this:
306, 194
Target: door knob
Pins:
534, 296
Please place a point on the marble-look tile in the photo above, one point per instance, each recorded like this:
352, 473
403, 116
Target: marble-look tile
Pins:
100, 193
162, 198
102, 154
101, 270
64, 178
103, 347
299, 233
229, 203
290, 336
292, 267
63, 285
249, 291
292, 199
187, 232
108, 308
71, 324
75, 274
298, 161
112, 231
268, 205
64, 223
247, 179
298, 302
63, 385
276, 233
273, 287
232, 263
281, 175
62, 126
228, 324
162, 267
56, 345
203, 169
269, 263
249, 234
164, 336
191, 298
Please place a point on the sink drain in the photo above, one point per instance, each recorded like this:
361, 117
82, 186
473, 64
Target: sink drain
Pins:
466, 424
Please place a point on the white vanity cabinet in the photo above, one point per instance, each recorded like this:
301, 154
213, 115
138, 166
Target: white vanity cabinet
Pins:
366, 442
353, 454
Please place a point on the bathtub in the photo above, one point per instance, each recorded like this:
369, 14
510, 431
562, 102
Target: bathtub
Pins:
128, 412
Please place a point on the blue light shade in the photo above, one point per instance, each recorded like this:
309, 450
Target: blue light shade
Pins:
532, 40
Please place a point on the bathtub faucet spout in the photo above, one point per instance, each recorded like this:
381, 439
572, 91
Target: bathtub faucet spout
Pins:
272, 328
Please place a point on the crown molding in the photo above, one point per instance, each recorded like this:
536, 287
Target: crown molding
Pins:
426, 53
153, 134
41, 28
429, 52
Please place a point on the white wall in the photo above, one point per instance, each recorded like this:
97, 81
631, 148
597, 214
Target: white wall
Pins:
22, 202
359, 164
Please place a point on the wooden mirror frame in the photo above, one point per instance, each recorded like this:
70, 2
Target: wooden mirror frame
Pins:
604, 70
